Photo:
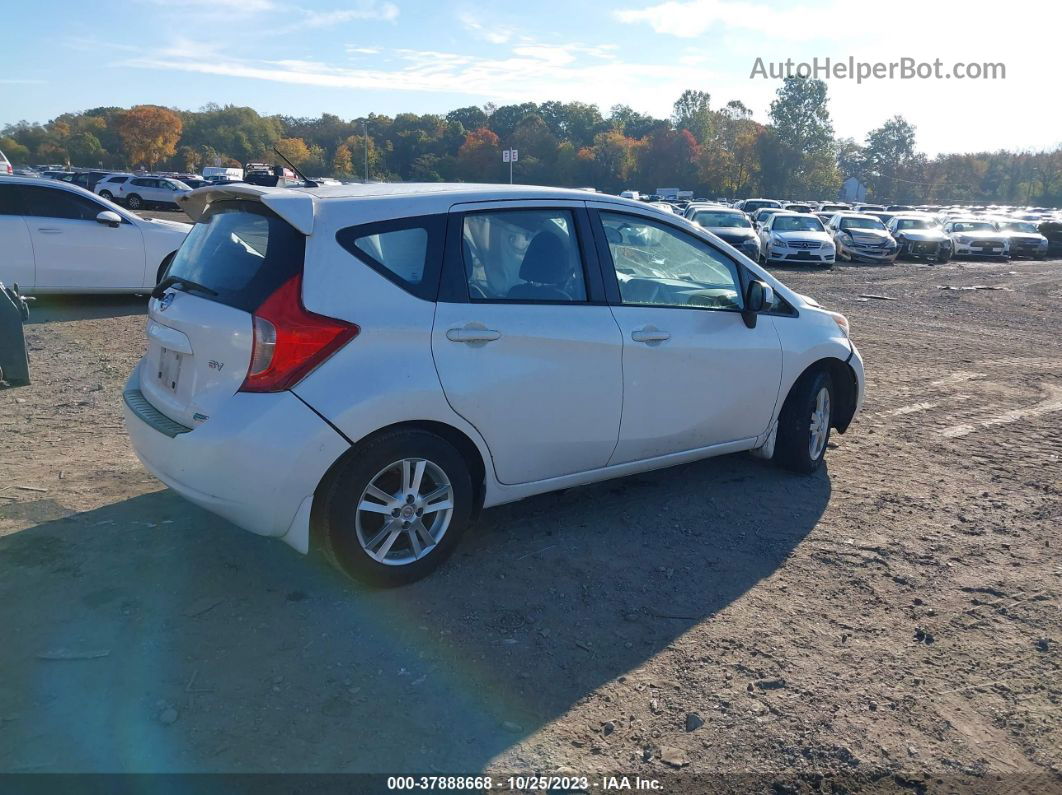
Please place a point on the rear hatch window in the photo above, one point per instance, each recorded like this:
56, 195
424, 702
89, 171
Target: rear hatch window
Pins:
241, 251
200, 334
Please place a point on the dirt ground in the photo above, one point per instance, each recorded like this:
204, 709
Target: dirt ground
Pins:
893, 620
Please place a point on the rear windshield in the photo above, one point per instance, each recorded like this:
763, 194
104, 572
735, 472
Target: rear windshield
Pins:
717, 220
242, 251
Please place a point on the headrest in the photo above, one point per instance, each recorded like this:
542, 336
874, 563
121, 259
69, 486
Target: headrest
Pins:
546, 260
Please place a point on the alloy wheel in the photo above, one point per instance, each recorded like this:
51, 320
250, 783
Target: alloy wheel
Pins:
820, 423
404, 511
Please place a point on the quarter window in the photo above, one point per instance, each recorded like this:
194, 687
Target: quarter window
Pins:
659, 265
407, 251
522, 255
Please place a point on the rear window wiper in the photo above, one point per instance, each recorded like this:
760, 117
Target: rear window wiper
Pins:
169, 281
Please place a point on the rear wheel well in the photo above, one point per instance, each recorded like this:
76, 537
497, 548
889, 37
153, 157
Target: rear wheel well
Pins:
845, 390
461, 442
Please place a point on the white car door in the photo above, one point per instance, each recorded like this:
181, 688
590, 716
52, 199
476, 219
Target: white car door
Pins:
694, 375
16, 259
75, 252
526, 349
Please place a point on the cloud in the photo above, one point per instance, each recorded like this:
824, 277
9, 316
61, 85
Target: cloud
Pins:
573, 71
370, 10
692, 18
494, 34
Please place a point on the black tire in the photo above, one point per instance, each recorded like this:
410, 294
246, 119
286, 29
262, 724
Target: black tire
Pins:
793, 442
133, 202
340, 538
106, 194
945, 256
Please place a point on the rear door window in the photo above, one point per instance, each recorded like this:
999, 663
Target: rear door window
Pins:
523, 255
241, 250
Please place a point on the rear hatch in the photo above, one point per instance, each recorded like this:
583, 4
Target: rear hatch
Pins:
201, 328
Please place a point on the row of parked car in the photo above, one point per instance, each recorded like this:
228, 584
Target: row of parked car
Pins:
820, 234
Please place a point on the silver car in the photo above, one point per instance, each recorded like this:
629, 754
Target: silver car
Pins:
142, 192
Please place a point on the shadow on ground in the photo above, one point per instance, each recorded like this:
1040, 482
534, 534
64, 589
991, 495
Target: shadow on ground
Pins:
195, 646
65, 308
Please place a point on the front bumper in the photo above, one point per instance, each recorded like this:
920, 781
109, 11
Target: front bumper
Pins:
256, 462
862, 254
971, 250
802, 256
924, 249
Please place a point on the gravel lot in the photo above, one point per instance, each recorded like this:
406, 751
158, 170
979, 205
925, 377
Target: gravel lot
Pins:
896, 616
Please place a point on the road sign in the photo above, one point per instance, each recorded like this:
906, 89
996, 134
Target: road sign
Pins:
505, 156
516, 155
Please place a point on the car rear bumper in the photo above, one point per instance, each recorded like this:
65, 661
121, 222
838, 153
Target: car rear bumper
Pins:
256, 462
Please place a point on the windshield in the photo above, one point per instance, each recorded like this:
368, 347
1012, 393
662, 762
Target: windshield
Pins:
973, 226
240, 250
913, 223
718, 220
1020, 226
797, 223
862, 223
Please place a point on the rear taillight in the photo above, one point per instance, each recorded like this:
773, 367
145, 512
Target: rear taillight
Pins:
10, 170
290, 341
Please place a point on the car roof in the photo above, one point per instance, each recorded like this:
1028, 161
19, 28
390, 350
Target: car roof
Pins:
54, 184
859, 215
299, 205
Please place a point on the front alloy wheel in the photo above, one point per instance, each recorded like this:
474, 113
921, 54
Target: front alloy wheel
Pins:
804, 423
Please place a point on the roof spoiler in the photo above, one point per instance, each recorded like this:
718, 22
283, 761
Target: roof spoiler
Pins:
295, 207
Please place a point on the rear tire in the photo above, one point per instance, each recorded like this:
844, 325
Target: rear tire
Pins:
368, 534
106, 194
133, 202
804, 424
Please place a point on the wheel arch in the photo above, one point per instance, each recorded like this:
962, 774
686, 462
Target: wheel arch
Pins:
464, 445
845, 388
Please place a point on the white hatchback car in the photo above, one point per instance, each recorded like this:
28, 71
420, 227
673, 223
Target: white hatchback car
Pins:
365, 367
60, 238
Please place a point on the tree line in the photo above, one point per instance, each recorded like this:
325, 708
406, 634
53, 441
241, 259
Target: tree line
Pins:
713, 151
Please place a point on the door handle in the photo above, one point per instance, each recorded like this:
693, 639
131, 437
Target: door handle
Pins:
48, 230
472, 334
650, 334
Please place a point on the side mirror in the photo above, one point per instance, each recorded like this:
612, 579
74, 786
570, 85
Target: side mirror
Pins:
110, 218
758, 297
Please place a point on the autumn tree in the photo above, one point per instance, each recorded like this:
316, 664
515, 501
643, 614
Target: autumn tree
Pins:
149, 133
889, 151
692, 112
802, 138
294, 149
479, 158
341, 161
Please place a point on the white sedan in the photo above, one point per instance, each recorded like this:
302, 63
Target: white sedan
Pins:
59, 238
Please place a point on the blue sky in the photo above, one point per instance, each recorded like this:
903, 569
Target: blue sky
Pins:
352, 57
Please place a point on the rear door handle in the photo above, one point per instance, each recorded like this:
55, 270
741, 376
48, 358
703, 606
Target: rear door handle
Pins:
472, 334
650, 334
48, 230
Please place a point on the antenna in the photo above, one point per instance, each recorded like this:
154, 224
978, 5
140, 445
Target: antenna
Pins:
309, 183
